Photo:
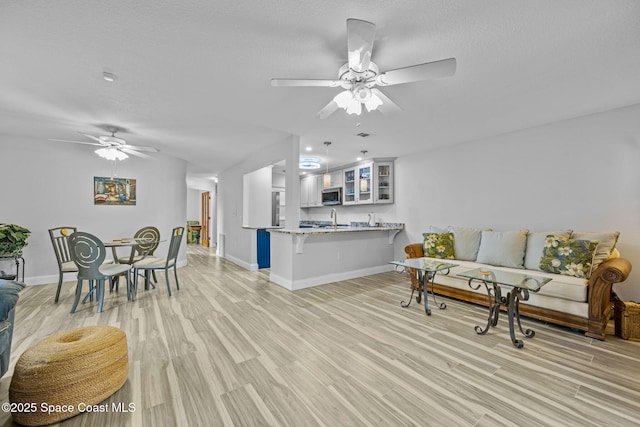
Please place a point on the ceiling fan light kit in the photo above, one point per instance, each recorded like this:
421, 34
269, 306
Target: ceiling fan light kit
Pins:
111, 154
359, 76
113, 147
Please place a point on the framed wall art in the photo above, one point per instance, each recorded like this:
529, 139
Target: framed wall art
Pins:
114, 191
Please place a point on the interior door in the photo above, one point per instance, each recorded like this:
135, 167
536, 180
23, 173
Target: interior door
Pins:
206, 218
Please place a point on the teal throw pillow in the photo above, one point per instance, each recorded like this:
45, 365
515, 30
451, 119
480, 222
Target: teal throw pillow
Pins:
438, 245
566, 256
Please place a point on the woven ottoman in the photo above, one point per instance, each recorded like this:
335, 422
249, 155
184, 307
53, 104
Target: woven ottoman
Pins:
60, 375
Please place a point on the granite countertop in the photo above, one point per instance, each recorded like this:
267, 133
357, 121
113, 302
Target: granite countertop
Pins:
340, 229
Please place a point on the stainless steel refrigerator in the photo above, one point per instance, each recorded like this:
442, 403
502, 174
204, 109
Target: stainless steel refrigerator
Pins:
275, 208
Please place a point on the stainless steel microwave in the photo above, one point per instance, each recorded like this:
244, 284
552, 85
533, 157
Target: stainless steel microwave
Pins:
332, 196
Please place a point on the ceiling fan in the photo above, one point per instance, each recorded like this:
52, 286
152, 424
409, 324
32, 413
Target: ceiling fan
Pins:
113, 147
360, 75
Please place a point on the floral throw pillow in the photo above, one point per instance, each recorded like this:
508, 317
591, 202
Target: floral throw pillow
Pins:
438, 245
566, 256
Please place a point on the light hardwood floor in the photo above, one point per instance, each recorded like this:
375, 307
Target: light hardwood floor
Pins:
230, 348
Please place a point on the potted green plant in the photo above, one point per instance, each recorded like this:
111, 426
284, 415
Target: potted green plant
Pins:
12, 239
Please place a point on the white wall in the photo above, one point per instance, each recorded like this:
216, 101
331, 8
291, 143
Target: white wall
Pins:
48, 184
581, 174
194, 199
239, 243
256, 199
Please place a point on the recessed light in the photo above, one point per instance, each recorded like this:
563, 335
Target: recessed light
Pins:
308, 148
358, 158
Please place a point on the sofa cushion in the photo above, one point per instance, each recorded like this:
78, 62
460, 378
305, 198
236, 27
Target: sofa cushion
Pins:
438, 245
535, 247
568, 256
503, 248
565, 288
608, 241
434, 229
466, 242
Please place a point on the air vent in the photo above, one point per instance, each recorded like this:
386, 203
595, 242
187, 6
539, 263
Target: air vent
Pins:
363, 134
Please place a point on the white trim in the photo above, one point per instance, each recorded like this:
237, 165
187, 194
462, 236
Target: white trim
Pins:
68, 277
241, 263
294, 285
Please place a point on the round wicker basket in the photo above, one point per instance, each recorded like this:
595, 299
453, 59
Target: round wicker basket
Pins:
60, 375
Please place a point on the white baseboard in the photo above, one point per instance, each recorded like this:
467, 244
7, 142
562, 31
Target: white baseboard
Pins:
241, 263
68, 277
281, 281
294, 285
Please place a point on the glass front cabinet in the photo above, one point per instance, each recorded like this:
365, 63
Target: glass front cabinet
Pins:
358, 184
383, 182
368, 183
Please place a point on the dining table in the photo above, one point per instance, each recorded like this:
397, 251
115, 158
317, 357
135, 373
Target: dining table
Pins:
132, 242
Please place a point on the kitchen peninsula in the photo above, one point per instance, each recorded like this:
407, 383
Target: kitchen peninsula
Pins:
301, 258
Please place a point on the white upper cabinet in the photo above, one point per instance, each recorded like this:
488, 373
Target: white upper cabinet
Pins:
358, 185
362, 184
311, 191
383, 182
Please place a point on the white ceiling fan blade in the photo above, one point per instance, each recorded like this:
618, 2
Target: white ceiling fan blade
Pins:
92, 137
388, 107
427, 71
328, 110
75, 142
360, 36
135, 153
140, 148
305, 82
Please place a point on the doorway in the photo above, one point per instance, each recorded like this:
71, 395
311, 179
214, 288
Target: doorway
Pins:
205, 218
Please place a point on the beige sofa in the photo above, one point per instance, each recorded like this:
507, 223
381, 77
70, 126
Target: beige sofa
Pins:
584, 303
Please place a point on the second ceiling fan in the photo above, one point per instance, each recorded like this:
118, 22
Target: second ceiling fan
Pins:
360, 75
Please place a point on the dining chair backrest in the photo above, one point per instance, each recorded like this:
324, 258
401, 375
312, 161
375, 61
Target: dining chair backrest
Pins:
174, 246
60, 240
88, 253
150, 233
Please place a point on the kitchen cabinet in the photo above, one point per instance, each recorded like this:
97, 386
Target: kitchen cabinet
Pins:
383, 182
362, 183
358, 184
335, 181
311, 191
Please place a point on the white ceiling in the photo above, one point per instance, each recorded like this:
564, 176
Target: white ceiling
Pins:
194, 76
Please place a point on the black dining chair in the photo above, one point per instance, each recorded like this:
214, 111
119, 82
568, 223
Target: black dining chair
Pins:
88, 253
150, 264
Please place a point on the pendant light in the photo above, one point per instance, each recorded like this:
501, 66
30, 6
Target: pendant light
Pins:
326, 179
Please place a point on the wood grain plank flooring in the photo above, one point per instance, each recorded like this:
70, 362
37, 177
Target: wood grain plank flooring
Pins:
232, 349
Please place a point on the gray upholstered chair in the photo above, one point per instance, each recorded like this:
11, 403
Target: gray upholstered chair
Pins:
150, 264
88, 253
